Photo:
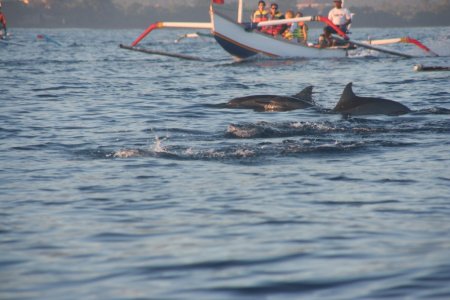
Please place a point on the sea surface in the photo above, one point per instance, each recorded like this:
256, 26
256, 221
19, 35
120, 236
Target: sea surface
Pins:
121, 179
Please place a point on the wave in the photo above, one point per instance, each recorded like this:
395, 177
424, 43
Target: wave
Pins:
358, 126
252, 152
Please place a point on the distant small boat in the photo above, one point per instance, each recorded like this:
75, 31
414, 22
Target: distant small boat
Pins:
243, 40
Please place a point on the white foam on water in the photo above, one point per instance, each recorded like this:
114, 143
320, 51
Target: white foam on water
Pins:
157, 146
126, 153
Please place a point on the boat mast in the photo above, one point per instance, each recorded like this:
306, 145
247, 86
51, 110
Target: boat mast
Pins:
239, 20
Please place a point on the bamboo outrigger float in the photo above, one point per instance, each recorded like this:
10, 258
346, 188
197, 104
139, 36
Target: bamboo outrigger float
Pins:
243, 40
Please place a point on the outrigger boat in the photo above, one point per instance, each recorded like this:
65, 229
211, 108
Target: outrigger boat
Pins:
243, 40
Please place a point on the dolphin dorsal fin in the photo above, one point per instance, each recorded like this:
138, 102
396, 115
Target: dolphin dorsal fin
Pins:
305, 94
348, 98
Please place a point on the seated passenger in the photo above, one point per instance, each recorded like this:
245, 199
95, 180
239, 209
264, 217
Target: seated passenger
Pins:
296, 30
288, 33
261, 13
274, 14
325, 39
302, 32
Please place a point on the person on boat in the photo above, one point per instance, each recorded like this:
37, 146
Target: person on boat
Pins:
274, 14
339, 16
3, 31
325, 39
302, 31
296, 30
288, 33
261, 13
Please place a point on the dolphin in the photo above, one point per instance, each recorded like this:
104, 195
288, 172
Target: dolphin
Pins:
350, 104
274, 102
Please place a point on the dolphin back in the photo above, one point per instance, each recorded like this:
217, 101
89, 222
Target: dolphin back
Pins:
351, 104
305, 95
348, 99
249, 100
274, 102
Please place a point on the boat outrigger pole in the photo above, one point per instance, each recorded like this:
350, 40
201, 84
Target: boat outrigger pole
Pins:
157, 25
343, 37
190, 25
163, 53
405, 39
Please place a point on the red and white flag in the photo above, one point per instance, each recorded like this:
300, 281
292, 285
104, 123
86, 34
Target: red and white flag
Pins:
219, 1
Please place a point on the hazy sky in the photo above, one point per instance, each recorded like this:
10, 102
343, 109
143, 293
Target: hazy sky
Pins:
411, 3
382, 13
400, 6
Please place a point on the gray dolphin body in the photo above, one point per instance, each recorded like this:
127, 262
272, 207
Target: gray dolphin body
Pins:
274, 102
350, 104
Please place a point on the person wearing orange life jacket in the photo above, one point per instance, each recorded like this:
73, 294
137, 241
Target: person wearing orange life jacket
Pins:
274, 14
261, 13
3, 31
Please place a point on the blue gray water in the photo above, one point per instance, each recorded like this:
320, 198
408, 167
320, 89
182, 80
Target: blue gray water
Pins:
120, 180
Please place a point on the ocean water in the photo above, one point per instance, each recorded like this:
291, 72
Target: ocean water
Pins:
119, 178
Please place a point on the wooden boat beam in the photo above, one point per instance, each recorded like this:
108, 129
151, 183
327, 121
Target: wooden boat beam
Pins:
406, 39
158, 25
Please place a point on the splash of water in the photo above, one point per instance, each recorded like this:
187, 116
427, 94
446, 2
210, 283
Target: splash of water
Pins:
157, 146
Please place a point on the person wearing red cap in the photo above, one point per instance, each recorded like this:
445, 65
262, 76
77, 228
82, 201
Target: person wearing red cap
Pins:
340, 16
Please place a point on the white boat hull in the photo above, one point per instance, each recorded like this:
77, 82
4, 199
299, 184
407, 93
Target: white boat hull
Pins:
242, 43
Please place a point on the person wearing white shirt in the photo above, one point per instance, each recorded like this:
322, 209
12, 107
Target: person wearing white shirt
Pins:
341, 17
